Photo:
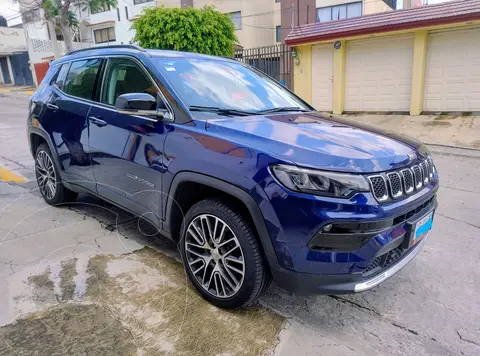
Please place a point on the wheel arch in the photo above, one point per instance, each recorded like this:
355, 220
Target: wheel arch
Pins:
36, 137
226, 189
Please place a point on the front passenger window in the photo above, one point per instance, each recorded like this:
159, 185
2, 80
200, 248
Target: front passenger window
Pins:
123, 76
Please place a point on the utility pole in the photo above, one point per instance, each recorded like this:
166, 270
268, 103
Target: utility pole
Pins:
292, 19
53, 38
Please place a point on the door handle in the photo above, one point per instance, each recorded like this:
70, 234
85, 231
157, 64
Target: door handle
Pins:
52, 106
97, 121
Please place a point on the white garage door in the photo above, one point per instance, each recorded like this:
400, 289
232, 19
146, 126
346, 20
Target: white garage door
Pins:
452, 80
322, 77
379, 74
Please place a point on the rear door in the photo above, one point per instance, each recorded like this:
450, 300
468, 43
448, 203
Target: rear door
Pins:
127, 149
66, 119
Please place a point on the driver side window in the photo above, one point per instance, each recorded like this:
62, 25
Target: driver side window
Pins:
124, 76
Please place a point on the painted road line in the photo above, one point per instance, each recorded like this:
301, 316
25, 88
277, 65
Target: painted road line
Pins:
9, 176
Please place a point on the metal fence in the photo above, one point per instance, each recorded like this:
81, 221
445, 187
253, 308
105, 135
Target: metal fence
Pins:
276, 61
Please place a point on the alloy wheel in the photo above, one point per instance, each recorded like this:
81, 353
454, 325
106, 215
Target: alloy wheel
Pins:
214, 256
46, 177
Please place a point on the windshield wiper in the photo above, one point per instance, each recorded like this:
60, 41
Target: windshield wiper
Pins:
221, 111
281, 109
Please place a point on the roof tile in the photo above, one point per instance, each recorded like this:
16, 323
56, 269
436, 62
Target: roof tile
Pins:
449, 12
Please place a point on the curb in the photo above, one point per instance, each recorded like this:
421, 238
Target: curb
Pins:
454, 150
29, 92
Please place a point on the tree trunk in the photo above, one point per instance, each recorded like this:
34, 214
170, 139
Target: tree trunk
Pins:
53, 37
66, 30
64, 6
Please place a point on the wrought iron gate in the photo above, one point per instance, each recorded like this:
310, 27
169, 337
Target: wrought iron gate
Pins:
276, 61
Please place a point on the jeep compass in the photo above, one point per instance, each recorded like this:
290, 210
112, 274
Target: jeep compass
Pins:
251, 182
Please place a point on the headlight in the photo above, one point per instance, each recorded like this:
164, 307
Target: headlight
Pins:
320, 182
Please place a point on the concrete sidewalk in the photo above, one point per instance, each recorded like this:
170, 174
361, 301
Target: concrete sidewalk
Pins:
445, 130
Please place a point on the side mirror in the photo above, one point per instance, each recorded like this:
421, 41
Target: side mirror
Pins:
139, 104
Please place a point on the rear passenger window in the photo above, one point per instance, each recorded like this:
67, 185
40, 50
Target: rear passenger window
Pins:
81, 77
62, 74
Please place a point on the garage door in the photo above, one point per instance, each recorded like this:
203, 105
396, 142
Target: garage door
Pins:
452, 80
322, 77
379, 74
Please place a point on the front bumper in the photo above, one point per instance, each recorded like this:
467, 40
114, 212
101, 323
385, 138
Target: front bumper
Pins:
293, 220
312, 283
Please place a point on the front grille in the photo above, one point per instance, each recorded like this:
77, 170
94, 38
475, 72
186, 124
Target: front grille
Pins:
379, 187
425, 172
417, 175
431, 171
395, 184
408, 183
384, 261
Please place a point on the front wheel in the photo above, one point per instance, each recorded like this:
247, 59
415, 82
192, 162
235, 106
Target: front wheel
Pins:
222, 256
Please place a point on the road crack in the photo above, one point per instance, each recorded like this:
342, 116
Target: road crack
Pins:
457, 220
405, 328
358, 305
467, 340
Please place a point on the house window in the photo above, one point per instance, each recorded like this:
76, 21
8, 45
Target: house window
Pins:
277, 0
339, 12
136, 2
391, 3
104, 35
278, 33
236, 18
102, 8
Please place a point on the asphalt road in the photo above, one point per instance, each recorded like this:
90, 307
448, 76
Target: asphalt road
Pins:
432, 307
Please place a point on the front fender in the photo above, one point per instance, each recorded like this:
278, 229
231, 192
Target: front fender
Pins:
227, 188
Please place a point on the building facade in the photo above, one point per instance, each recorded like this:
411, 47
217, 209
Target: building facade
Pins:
257, 23
14, 64
423, 59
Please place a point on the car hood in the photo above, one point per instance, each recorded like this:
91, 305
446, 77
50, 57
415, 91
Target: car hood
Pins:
318, 141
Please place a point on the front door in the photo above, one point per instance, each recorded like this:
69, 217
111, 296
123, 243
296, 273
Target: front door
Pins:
127, 149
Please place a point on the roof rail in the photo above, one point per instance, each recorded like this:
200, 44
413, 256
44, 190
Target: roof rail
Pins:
126, 46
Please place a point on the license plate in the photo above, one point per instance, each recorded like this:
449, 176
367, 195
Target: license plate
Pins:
421, 228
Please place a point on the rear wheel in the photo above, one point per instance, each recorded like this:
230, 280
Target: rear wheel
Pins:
221, 255
48, 178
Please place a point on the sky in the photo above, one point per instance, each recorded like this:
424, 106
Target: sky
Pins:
9, 9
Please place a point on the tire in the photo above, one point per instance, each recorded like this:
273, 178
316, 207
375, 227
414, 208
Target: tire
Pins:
48, 178
225, 255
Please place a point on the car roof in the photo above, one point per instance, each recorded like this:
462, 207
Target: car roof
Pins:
133, 50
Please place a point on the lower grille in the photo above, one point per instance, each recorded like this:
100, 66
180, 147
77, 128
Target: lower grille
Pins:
384, 261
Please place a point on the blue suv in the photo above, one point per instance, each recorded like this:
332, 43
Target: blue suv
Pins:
251, 182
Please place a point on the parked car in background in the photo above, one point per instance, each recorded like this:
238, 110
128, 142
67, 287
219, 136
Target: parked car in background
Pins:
250, 181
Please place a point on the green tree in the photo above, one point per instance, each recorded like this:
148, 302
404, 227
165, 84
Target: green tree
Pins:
194, 30
61, 13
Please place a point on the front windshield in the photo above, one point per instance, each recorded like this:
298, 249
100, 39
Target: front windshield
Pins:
204, 82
